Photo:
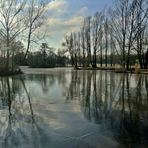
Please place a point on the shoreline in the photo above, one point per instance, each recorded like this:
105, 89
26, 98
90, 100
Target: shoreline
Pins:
21, 70
116, 70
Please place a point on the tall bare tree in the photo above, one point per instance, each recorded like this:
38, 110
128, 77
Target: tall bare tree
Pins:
141, 22
101, 45
35, 11
11, 24
106, 30
69, 45
83, 45
87, 24
96, 34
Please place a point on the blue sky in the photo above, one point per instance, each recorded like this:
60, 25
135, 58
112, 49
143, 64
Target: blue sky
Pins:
67, 15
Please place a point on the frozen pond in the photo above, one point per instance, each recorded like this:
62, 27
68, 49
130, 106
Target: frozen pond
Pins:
64, 108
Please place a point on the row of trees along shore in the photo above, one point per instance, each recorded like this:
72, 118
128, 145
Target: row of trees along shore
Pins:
44, 57
118, 35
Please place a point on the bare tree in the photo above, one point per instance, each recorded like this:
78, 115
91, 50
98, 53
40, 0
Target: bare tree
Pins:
106, 28
35, 11
83, 45
120, 26
79, 48
75, 50
87, 25
11, 24
129, 22
96, 34
101, 45
141, 22
112, 50
68, 44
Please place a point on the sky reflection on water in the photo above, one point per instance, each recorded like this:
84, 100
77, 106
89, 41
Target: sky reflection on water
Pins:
67, 108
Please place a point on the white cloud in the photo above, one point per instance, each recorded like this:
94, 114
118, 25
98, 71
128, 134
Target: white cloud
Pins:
56, 4
57, 7
58, 28
57, 25
53, 21
74, 21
